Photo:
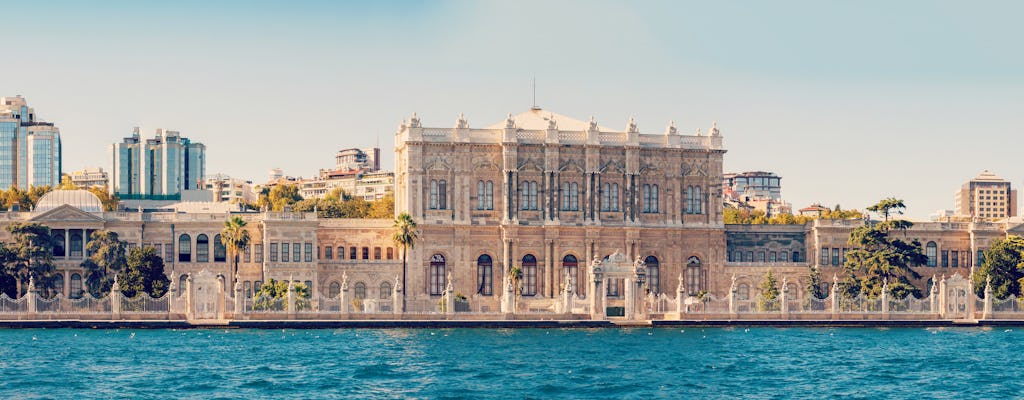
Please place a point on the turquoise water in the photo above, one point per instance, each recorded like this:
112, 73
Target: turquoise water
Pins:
528, 363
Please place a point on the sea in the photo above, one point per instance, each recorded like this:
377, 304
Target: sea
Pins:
634, 363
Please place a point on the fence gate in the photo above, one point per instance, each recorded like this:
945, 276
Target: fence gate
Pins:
206, 295
957, 297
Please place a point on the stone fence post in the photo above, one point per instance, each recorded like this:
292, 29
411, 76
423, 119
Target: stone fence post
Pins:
681, 297
835, 297
885, 300
239, 300
344, 295
115, 299
449, 297
784, 299
172, 295
986, 312
396, 298
30, 295
291, 298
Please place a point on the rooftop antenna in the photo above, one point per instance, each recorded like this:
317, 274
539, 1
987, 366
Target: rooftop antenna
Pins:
535, 93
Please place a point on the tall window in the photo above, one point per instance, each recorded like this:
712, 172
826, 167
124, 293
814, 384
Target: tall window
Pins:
529, 275
58, 284
308, 252
385, 290
328, 252
945, 258
202, 248
783, 256
528, 195
437, 271
296, 252
360, 290
796, 256
366, 253
570, 266
273, 252
58, 243
376, 253
76, 245
341, 252
219, 250
182, 280
334, 290
824, 256
931, 251
694, 200
693, 275
650, 198
484, 275
743, 292
352, 252
76, 286
286, 251
257, 252
610, 197
835, 256
485, 195
185, 248
438, 194
653, 274
570, 196
247, 254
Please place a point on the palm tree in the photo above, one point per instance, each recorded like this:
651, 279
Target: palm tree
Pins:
405, 236
235, 239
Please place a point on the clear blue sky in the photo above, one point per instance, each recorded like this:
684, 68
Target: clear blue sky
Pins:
848, 101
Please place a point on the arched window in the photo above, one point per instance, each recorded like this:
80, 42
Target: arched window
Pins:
484, 275
333, 290
743, 292
385, 290
76, 286
529, 275
341, 252
76, 245
437, 271
693, 275
931, 251
653, 274
391, 253
58, 243
184, 248
328, 252
360, 291
570, 266
793, 293
615, 197
181, 284
606, 199
202, 248
220, 252
58, 284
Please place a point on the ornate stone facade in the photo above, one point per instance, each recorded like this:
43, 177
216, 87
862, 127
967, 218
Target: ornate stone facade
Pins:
546, 193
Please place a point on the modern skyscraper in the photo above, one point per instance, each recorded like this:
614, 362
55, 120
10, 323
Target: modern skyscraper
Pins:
30, 153
986, 197
157, 169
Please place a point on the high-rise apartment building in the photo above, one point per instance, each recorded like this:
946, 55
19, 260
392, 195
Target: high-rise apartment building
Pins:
986, 197
30, 153
157, 169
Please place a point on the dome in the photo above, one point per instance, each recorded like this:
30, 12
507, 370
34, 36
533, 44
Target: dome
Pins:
80, 199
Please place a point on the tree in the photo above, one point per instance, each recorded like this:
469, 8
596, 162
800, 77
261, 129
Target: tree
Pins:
815, 288
1004, 263
107, 258
143, 273
383, 207
235, 239
66, 183
882, 258
30, 254
109, 201
273, 295
283, 195
405, 237
769, 292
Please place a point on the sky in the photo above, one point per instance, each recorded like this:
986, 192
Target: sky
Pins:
849, 102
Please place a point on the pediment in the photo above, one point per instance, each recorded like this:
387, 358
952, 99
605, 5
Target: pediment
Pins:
571, 166
66, 213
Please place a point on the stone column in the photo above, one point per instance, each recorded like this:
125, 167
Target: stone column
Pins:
986, 312
343, 296
220, 297
115, 299
885, 300
396, 296
449, 297
630, 293
30, 294
835, 296
596, 299
783, 300
239, 299
681, 298
67, 244
189, 298
508, 297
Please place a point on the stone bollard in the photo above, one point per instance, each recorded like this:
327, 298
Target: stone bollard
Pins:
115, 299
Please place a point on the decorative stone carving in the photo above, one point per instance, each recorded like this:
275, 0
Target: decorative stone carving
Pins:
552, 124
509, 122
461, 123
414, 122
671, 130
714, 128
631, 126
593, 124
